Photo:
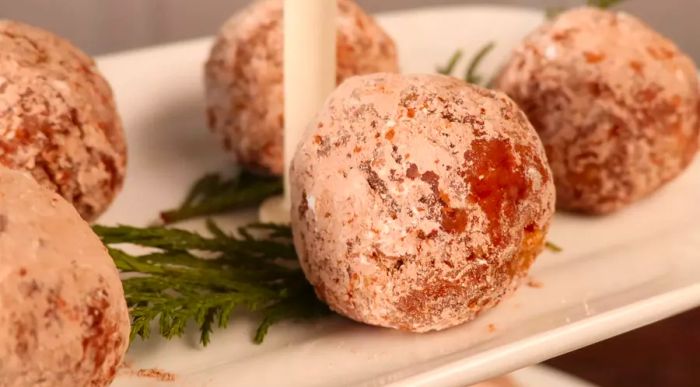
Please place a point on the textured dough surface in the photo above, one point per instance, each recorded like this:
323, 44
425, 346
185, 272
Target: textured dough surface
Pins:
418, 201
63, 316
244, 76
615, 103
58, 119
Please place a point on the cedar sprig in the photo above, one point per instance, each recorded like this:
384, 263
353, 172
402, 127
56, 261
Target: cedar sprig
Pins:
553, 247
471, 74
449, 68
604, 4
551, 13
213, 194
174, 285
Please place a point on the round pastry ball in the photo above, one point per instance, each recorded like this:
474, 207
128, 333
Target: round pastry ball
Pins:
244, 76
63, 317
615, 103
418, 201
57, 118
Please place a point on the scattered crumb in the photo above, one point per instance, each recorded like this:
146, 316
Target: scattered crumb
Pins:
156, 373
127, 368
492, 328
533, 283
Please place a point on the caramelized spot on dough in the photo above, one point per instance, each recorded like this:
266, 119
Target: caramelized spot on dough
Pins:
497, 184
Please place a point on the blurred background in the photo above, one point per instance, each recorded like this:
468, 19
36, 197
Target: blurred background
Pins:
664, 354
102, 26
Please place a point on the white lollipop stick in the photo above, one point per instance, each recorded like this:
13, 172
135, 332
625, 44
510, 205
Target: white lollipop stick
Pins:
309, 76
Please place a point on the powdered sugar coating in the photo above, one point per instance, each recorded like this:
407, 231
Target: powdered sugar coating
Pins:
244, 76
615, 103
418, 201
63, 317
58, 119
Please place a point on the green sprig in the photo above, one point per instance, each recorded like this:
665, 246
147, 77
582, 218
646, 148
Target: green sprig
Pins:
551, 13
604, 4
551, 246
449, 68
213, 194
472, 75
174, 286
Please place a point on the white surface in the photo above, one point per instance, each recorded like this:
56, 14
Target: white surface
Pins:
616, 273
541, 376
275, 210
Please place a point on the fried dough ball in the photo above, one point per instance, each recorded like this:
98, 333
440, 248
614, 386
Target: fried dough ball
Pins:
418, 201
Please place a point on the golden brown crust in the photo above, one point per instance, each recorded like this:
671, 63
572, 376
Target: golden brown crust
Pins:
244, 76
63, 316
615, 103
58, 119
418, 201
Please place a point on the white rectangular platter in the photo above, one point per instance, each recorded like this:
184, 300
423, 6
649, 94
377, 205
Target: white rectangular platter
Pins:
616, 273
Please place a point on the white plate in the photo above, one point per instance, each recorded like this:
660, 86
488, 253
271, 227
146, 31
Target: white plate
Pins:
616, 273
541, 376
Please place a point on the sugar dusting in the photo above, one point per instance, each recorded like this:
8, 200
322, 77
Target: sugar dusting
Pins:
615, 103
58, 119
417, 225
63, 320
244, 76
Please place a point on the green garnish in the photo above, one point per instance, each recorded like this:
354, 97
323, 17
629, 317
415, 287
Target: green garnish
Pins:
214, 195
551, 13
451, 63
185, 277
552, 247
604, 4
174, 285
471, 75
